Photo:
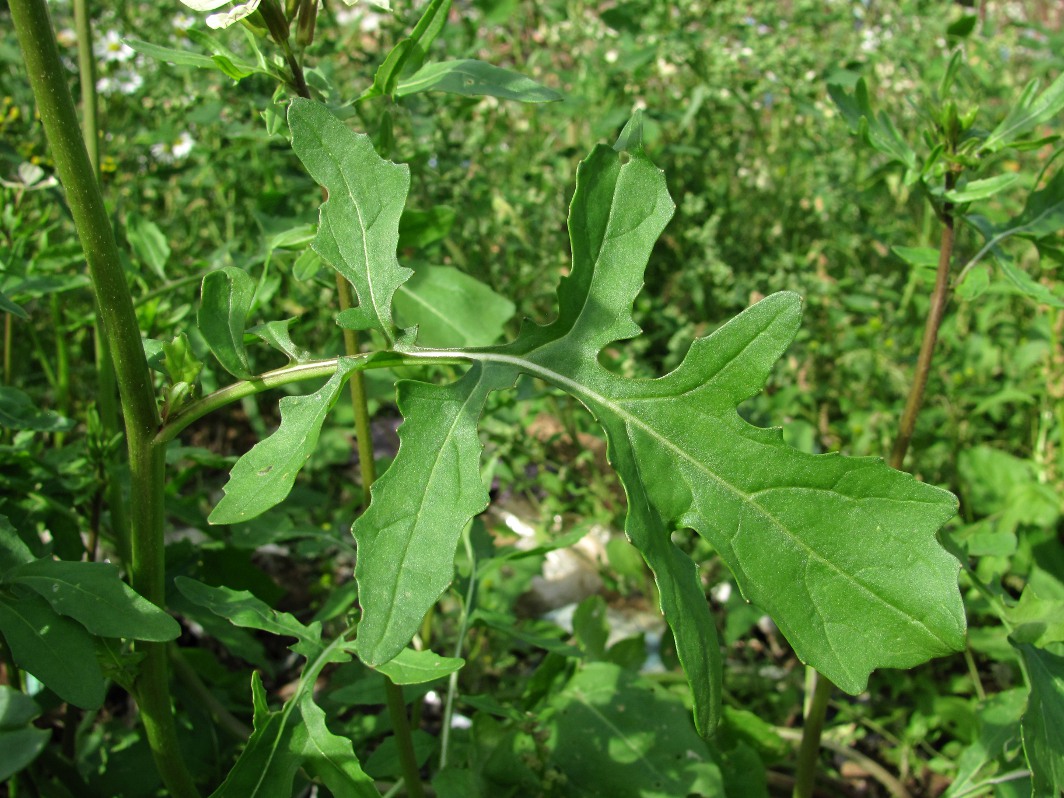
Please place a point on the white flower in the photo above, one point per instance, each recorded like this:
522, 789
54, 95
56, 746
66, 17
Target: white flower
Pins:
124, 82
112, 48
30, 178
182, 22
222, 20
176, 150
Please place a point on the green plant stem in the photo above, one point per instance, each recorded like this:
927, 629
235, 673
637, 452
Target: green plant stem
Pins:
48, 80
939, 300
463, 630
809, 751
90, 130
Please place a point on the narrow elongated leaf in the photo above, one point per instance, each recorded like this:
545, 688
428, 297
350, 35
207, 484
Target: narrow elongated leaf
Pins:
359, 226
1043, 733
10, 306
876, 130
276, 334
58, 651
93, 594
472, 78
264, 476
406, 543
1043, 215
451, 309
171, 55
227, 295
409, 54
242, 608
981, 189
1030, 109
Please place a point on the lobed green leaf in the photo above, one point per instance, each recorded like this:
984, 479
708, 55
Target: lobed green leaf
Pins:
1043, 734
359, 226
264, 476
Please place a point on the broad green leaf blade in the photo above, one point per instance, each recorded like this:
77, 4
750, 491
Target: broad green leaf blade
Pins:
242, 608
331, 758
613, 733
472, 78
93, 594
55, 649
359, 226
226, 300
17, 411
264, 476
418, 667
20, 741
1029, 111
451, 309
1026, 284
408, 536
1043, 733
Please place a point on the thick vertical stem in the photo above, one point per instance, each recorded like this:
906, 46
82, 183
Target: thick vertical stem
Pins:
137, 394
937, 311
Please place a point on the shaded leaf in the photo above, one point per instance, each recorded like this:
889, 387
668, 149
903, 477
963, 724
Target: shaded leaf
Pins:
359, 225
283, 742
418, 229
613, 733
226, 300
1043, 733
7, 305
472, 78
264, 476
451, 309
13, 550
242, 608
874, 129
55, 649
276, 334
94, 595
20, 740
17, 411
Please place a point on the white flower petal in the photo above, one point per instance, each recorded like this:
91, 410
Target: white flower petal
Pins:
237, 14
204, 5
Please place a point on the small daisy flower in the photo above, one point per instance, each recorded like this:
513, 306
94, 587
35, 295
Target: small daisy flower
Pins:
173, 151
112, 48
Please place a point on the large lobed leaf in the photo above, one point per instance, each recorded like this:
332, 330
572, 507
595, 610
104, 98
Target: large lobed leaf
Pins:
840, 551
